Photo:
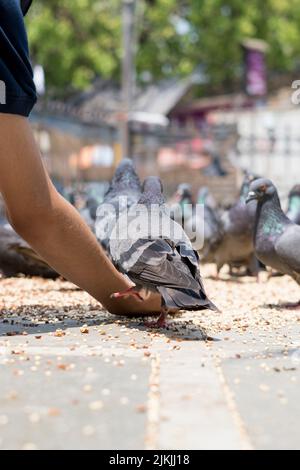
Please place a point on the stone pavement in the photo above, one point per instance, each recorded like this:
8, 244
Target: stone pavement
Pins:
74, 377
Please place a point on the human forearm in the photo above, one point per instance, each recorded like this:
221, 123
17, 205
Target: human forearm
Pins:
52, 226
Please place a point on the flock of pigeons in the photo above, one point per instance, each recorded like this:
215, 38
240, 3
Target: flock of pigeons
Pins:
254, 233
161, 259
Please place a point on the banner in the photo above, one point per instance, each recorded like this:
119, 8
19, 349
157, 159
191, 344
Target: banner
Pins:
255, 69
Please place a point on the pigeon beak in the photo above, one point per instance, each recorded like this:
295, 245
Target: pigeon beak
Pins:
252, 196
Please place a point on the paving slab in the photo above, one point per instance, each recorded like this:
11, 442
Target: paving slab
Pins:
265, 386
73, 403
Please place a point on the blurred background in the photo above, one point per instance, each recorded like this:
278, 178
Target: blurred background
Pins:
196, 91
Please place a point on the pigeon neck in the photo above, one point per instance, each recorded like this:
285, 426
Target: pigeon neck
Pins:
184, 201
148, 198
270, 220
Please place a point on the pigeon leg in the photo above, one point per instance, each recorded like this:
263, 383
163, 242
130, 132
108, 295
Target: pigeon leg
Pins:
126, 293
161, 322
216, 277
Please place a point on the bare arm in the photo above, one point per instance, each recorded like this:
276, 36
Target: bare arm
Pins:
52, 226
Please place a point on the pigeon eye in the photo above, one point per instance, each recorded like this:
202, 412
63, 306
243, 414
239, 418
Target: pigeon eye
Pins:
263, 188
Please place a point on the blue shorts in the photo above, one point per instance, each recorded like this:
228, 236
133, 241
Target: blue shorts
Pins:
17, 89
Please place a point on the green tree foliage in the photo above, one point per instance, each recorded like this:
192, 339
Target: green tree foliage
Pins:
77, 40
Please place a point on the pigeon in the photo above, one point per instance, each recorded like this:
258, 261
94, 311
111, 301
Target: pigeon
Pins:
206, 198
276, 237
293, 212
89, 212
158, 256
233, 243
213, 230
123, 192
214, 168
203, 226
17, 257
92, 206
181, 204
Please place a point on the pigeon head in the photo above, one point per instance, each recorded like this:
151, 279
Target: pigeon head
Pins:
184, 190
248, 179
152, 191
126, 166
294, 204
125, 177
152, 184
295, 191
260, 190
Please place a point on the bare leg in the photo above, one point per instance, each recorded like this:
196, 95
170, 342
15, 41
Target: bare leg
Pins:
52, 226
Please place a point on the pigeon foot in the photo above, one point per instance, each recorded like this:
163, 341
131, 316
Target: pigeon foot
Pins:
216, 276
126, 293
160, 323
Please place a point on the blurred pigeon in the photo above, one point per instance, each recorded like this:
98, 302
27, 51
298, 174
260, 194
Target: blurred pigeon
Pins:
293, 212
181, 204
89, 212
158, 257
214, 168
276, 237
197, 225
206, 198
17, 257
234, 246
92, 206
213, 229
123, 192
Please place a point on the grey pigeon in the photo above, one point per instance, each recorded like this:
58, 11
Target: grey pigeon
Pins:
17, 257
293, 212
160, 259
181, 204
213, 229
234, 246
276, 237
198, 226
123, 192
206, 198
89, 212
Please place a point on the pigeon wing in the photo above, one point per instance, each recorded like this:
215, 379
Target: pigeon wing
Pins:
160, 265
